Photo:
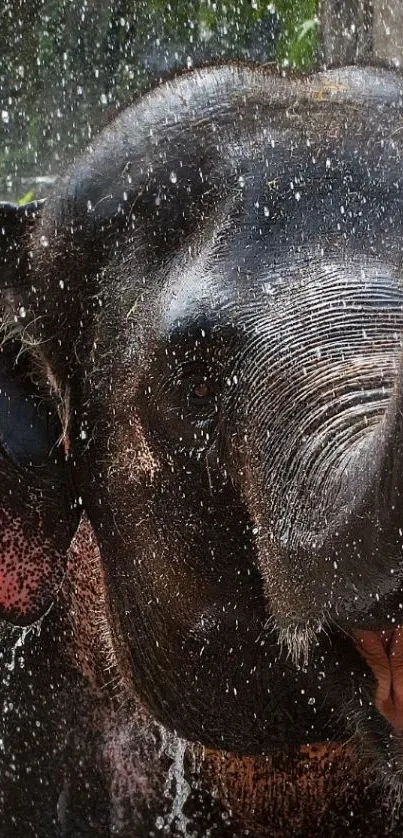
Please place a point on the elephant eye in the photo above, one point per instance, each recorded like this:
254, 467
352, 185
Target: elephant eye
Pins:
202, 390
186, 403
200, 395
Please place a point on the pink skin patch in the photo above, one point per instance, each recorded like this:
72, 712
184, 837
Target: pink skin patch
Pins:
26, 587
383, 652
31, 568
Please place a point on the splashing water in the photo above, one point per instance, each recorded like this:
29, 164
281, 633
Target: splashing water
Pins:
175, 748
16, 653
15, 650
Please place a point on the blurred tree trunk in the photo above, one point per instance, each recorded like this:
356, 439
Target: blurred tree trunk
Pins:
346, 31
359, 31
388, 31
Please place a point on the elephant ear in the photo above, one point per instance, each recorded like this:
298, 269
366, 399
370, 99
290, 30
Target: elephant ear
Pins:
38, 517
16, 223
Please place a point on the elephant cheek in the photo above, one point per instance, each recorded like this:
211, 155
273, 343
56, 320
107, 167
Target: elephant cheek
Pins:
31, 572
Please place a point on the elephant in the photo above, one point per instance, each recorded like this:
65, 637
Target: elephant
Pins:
200, 437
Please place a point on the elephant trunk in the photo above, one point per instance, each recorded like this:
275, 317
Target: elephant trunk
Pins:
324, 443
358, 554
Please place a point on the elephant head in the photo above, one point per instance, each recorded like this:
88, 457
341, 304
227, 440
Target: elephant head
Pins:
211, 307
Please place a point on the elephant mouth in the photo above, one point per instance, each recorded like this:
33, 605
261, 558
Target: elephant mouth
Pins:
383, 653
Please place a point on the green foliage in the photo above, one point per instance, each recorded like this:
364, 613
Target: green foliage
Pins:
299, 40
29, 196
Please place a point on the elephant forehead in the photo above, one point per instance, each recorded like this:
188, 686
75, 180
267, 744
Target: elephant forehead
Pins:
200, 290
217, 281
250, 291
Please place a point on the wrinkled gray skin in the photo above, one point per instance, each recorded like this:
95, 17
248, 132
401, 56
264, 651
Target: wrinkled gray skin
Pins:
211, 307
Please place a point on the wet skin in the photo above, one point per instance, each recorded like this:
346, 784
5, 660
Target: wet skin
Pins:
212, 308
